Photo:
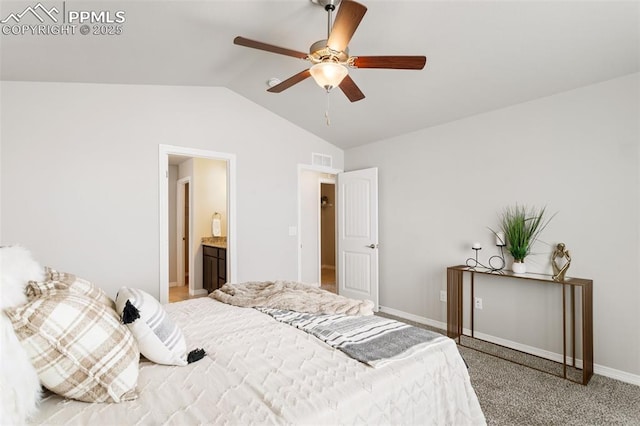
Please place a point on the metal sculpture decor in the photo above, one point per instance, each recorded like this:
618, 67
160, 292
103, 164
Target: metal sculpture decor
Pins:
496, 263
560, 262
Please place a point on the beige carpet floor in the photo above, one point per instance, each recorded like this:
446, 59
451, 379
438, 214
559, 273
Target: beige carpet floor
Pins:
512, 394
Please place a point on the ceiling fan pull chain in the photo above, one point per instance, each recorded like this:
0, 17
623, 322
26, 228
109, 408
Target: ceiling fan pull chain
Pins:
326, 113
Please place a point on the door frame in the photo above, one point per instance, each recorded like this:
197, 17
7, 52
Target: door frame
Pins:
163, 205
180, 192
319, 169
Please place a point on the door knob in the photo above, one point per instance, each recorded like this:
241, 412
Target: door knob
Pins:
372, 246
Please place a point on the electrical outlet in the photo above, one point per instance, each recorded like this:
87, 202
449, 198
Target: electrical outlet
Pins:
478, 303
443, 295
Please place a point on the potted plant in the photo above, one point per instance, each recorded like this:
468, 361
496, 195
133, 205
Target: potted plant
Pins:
522, 226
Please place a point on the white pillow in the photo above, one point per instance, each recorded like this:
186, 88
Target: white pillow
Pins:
17, 268
19, 384
20, 388
159, 338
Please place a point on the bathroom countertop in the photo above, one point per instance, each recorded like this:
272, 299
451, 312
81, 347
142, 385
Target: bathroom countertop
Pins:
219, 242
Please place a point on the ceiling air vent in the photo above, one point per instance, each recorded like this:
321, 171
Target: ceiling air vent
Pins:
321, 160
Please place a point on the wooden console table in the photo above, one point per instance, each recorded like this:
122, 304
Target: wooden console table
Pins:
455, 275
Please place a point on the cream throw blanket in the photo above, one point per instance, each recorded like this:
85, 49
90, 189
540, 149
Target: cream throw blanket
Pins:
290, 295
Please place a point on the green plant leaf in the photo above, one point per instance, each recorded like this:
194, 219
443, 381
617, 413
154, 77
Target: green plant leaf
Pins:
522, 226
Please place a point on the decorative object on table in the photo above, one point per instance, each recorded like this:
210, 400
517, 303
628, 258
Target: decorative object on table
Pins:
494, 266
501, 241
519, 267
562, 255
522, 226
471, 262
215, 225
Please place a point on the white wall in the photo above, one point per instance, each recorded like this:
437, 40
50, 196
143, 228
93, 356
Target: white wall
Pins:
575, 152
80, 175
210, 195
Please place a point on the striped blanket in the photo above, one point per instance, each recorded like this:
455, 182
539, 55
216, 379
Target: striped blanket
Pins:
373, 340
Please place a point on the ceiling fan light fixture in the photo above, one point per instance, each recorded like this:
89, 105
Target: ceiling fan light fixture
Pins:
330, 57
273, 81
328, 74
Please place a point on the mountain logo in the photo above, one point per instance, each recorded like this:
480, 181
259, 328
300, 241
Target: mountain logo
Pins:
39, 11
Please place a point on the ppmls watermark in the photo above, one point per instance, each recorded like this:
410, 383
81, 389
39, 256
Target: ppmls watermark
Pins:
60, 20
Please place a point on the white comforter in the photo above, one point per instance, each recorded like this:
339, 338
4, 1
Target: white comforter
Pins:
260, 371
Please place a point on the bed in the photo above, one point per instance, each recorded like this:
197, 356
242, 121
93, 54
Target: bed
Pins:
261, 371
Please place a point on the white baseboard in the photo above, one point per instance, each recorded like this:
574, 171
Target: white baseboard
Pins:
612, 373
602, 370
198, 292
416, 318
173, 284
524, 348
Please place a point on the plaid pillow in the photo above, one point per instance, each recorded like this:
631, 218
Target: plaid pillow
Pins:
78, 347
56, 280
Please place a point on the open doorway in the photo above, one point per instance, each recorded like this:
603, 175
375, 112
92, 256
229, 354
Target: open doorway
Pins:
194, 185
327, 235
317, 227
356, 213
201, 194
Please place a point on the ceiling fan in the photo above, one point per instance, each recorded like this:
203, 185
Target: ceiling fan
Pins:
330, 58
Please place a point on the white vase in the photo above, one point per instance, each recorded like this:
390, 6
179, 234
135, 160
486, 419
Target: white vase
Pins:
519, 267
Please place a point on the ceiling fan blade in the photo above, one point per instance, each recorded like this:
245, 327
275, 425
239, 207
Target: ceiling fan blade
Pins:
290, 82
347, 20
351, 90
392, 62
241, 41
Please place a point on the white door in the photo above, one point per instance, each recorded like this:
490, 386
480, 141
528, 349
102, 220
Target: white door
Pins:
358, 234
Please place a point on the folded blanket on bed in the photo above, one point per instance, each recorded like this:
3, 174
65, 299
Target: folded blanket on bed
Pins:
292, 296
372, 340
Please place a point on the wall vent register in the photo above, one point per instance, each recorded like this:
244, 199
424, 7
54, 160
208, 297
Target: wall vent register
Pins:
321, 160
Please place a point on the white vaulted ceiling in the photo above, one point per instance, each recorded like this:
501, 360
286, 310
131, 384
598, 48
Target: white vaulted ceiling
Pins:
481, 55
